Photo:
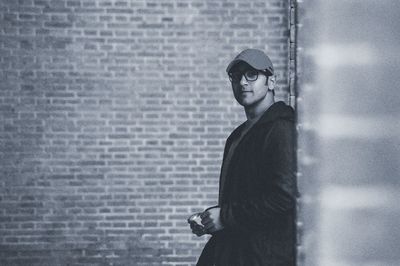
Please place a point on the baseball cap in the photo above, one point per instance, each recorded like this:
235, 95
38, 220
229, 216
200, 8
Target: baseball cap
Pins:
257, 59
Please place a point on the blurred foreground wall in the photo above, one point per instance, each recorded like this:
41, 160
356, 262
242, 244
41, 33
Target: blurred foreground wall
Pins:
113, 117
349, 141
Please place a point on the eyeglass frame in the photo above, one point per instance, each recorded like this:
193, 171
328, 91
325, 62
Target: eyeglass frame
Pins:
244, 74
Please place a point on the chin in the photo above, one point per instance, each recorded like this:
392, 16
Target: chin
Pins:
242, 101
246, 103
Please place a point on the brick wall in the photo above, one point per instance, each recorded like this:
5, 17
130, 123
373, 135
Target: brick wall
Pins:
113, 119
348, 109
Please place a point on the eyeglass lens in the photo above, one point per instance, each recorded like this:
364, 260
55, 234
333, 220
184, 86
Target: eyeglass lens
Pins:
249, 75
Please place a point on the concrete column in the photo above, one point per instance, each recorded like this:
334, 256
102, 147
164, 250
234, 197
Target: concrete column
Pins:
349, 132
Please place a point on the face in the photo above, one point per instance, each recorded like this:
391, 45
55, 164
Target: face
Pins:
248, 92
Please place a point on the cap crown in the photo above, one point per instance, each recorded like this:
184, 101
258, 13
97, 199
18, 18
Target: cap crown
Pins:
257, 59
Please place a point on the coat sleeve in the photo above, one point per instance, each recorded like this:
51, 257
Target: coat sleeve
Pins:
259, 210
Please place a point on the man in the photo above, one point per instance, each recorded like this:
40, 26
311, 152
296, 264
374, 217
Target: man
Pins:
254, 222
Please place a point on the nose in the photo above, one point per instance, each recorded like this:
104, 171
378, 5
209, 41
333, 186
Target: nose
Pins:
243, 80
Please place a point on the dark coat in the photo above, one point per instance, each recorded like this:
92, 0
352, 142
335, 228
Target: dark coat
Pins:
258, 196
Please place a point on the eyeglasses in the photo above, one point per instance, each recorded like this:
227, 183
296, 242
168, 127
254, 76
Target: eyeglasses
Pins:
249, 75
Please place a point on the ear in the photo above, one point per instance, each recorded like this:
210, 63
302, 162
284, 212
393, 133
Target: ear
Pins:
271, 82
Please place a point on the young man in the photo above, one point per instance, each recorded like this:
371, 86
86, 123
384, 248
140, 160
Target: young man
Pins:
254, 222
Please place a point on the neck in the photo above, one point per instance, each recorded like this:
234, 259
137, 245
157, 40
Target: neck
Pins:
260, 107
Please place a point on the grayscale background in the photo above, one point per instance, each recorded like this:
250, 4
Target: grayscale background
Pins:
114, 114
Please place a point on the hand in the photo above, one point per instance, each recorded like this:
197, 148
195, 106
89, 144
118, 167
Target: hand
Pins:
195, 224
198, 230
211, 220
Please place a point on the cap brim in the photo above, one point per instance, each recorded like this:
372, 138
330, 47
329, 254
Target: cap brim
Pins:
239, 60
235, 62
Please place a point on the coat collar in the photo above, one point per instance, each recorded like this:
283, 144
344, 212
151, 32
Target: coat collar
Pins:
278, 110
